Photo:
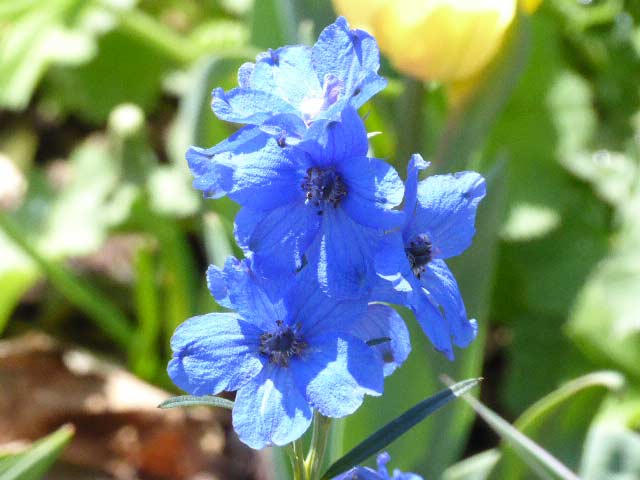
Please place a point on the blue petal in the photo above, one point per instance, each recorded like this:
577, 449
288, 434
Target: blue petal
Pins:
336, 374
268, 178
213, 168
214, 352
218, 286
288, 73
287, 128
416, 163
344, 256
317, 313
444, 291
352, 56
244, 74
271, 410
213, 178
331, 143
431, 321
360, 473
374, 188
248, 296
393, 269
380, 321
279, 238
446, 211
244, 105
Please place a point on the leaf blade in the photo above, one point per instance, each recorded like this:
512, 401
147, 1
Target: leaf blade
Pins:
394, 429
194, 401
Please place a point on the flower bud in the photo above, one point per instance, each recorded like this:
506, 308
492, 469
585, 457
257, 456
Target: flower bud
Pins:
443, 40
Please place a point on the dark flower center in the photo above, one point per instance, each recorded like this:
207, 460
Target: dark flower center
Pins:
282, 344
324, 186
419, 254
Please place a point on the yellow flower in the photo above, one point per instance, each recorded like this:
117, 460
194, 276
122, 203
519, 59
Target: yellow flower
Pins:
444, 40
530, 6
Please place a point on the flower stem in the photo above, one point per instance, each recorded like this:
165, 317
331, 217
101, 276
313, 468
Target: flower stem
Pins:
410, 133
294, 450
319, 438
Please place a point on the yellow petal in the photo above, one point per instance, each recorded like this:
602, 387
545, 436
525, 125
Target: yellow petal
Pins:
443, 40
359, 12
530, 6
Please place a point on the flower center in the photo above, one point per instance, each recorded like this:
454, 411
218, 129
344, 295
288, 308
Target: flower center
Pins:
419, 254
323, 186
284, 343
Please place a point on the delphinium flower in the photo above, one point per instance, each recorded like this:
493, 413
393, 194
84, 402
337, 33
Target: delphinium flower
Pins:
382, 473
321, 202
439, 224
305, 84
285, 357
287, 90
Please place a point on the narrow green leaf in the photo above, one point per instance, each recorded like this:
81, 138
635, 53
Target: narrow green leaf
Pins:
397, 427
193, 401
98, 307
560, 420
540, 460
33, 463
144, 356
477, 467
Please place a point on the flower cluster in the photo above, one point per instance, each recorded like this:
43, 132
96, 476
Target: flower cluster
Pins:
330, 236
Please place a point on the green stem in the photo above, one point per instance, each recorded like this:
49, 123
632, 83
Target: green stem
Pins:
410, 133
294, 450
319, 438
99, 308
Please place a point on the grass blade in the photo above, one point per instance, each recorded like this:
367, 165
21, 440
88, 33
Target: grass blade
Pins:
98, 307
397, 427
540, 460
34, 462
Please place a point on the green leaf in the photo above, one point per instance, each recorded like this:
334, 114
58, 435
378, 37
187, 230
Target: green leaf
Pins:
34, 38
193, 401
477, 467
399, 426
15, 284
100, 309
536, 457
274, 23
604, 319
126, 70
33, 463
612, 453
144, 352
560, 420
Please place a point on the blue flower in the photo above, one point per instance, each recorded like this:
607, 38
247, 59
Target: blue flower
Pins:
302, 84
385, 330
284, 357
439, 224
322, 201
366, 473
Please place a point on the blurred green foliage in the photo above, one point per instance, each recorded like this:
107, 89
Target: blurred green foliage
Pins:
99, 100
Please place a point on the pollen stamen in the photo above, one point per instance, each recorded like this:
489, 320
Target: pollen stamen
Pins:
323, 186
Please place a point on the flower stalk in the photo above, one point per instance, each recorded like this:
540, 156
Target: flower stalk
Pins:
319, 441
